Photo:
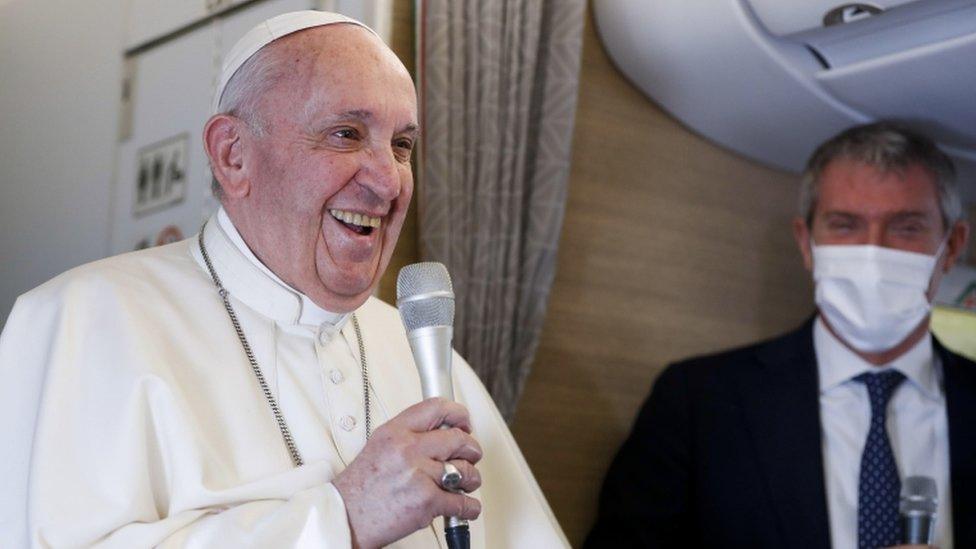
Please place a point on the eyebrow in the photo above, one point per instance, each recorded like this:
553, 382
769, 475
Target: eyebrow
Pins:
909, 215
412, 129
355, 114
899, 215
361, 114
365, 115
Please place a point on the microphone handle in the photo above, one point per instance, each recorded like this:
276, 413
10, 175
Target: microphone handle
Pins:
917, 528
457, 536
431, 347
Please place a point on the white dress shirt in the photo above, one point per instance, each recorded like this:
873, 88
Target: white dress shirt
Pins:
916, 423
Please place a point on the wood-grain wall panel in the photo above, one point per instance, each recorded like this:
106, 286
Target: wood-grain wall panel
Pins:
671, 247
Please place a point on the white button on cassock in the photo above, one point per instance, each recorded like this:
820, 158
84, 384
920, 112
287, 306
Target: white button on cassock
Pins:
348, 423
336, 377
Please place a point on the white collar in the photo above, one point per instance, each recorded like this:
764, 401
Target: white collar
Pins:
251, 281
837, 364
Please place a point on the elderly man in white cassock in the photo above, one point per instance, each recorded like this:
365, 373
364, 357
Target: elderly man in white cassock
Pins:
221, 391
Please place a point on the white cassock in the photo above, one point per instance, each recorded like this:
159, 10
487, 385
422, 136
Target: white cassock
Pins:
131, 418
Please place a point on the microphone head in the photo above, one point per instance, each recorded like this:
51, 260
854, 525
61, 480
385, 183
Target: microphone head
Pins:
425, 295
919, 496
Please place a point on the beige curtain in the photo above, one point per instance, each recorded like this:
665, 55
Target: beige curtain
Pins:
498, 81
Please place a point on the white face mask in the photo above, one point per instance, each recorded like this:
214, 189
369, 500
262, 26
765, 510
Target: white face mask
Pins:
873, 297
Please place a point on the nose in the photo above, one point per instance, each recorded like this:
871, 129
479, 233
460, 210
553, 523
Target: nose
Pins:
876, 235
380, 173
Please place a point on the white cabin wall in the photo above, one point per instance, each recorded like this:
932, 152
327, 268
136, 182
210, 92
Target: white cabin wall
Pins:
60, 67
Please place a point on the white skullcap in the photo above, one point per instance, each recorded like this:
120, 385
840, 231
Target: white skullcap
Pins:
268, 31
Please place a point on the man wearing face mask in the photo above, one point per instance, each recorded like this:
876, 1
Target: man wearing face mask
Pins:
803, 440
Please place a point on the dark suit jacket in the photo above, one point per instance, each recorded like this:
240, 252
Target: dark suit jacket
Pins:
726, 453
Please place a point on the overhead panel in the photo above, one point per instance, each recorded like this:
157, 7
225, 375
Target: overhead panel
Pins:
782, 18
770, 79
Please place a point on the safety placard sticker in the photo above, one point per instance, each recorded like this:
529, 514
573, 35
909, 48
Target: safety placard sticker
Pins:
161, 173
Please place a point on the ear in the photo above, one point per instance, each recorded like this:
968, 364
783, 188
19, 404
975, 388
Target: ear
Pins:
224, 146
801, 233
958, 236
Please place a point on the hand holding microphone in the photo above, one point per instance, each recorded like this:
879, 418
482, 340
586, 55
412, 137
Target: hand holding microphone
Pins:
393, 487
418, 465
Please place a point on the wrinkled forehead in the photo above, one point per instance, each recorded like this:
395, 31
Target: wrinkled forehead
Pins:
342, 74
854, 185
334, 49
343, 68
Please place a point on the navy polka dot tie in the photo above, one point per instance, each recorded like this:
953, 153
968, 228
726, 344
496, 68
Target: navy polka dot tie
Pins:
879, 485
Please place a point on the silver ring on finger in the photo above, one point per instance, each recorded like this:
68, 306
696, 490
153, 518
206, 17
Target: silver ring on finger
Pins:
451, 479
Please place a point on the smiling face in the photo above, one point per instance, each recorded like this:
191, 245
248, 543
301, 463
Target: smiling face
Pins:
325, 185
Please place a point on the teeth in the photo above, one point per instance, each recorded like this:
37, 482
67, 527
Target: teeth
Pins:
355, 218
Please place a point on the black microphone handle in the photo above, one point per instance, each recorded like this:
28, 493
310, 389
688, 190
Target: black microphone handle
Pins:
456, 529
458, 537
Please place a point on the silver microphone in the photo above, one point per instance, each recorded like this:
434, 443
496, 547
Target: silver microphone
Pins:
425, 298
919, 500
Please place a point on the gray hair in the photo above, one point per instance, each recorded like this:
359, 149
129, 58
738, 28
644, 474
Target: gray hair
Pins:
243, 92
887, 146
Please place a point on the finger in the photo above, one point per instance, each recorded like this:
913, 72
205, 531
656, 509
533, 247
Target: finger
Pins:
470, 475
457, 505
445, 444
434, 412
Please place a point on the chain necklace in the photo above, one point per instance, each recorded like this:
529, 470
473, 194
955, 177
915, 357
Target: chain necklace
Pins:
296, 457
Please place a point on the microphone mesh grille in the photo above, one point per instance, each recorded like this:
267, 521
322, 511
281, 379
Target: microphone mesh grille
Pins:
919, 495
423, 278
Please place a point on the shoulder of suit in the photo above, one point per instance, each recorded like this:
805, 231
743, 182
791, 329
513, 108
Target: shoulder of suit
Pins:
705, 374
959, 358
746, 354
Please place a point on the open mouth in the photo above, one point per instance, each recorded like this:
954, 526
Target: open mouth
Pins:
355, 222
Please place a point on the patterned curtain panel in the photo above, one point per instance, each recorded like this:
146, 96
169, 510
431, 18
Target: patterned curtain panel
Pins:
498, 81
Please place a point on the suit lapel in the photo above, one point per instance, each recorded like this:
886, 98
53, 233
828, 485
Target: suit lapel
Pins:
780, 398
960, 390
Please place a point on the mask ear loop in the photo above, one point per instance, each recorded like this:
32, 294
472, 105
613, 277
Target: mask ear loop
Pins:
942, 246
813, 247
930, 293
